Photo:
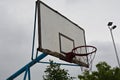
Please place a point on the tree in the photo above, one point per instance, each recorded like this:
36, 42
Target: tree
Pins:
54, 72
104, 72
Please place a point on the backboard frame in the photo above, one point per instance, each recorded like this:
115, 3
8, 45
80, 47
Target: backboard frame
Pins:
61, 35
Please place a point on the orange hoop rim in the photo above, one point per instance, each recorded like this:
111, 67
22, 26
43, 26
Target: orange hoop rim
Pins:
87, 53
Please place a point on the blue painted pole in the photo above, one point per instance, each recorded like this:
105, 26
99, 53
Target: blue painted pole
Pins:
34, 30
29, 77
30, 64
61, 64
27, 72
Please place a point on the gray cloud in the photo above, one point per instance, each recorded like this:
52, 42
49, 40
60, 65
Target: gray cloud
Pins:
16, 26
105, 52
15, 37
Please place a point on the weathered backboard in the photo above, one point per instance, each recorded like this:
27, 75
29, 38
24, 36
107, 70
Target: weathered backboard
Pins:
57, 33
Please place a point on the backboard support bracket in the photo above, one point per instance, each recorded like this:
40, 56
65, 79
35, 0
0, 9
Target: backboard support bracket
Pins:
62, 57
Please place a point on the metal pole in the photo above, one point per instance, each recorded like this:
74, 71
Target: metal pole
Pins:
34, 30
30, 64
60, 64
114, 47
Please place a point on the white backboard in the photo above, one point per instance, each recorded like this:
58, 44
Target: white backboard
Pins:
57, 33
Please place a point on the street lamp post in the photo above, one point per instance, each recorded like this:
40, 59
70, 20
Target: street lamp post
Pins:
111, 28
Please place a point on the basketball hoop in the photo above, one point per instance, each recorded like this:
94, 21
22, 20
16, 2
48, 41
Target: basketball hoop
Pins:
82, 52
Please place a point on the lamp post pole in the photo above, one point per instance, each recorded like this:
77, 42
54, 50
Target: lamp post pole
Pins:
111, 28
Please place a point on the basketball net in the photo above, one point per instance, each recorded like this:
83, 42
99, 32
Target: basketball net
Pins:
85, 54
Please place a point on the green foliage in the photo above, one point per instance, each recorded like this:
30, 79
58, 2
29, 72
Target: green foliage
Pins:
54, 72
104, 72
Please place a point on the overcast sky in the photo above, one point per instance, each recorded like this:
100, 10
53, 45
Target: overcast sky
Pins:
16, 28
